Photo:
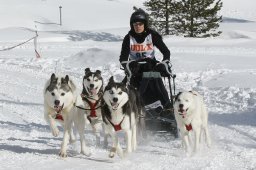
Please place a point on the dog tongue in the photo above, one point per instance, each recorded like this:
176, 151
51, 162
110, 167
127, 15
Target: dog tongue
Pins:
58, 108
114, 105
183, 112
93, 91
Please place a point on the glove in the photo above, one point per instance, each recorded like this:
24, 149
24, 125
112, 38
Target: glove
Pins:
167, 62
162, 68
134, 67
150, 61
149, 65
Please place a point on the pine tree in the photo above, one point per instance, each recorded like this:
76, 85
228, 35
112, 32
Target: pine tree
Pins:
197, 18
160, 15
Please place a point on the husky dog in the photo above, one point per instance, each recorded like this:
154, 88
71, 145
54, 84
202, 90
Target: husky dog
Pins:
120, 111
92, 95
191, 116
59, 106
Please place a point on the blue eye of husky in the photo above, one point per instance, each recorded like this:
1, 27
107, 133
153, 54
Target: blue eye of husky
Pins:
96, 80
62, 94
53, 94
111, 92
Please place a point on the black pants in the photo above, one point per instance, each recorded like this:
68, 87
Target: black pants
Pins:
151, 89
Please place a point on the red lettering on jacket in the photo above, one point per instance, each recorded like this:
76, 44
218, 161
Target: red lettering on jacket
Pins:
141, 47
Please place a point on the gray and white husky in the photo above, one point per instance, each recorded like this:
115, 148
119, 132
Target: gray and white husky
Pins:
120, 111
92, 95
60, 99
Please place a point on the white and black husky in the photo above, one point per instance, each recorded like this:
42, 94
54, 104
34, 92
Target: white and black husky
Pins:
60, 98
92, 95
120, 110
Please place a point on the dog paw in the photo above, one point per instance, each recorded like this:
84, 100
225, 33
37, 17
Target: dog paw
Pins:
209, 144
55, 132
63, 154
98, 143
105, 145
121, 154
124, 154
86, 153
72, 141
194, 154
112, 152
111, 155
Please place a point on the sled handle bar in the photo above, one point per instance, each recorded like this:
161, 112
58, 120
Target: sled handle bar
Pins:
128, 68
166, 64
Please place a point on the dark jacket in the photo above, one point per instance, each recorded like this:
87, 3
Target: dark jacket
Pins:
157, 42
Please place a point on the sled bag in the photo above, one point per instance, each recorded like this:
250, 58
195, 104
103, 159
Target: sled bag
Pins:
152, 91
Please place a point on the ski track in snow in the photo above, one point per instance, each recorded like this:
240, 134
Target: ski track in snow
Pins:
26, 141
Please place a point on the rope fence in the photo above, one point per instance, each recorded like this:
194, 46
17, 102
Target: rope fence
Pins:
22, 43
35, 37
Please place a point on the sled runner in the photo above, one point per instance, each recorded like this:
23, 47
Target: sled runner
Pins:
146, 76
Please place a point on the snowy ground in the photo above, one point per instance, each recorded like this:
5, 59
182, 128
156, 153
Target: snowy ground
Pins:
222, 69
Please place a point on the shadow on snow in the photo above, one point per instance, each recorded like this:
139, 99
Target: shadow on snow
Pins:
89, 35
240, 119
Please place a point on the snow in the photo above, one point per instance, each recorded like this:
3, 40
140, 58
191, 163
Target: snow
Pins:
222, 69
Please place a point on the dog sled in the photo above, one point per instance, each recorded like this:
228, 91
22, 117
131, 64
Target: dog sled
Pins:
148, 78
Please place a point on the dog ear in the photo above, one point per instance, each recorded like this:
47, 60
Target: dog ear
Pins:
72, 85
66, 78
87, 70
177, 96
98, 72
111, 79
53, 76
192, 92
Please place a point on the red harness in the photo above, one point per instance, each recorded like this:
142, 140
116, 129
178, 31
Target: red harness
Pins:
92, 106
59, 117
189, 127
118, 126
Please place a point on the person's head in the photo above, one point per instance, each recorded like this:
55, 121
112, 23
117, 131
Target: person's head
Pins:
139, 21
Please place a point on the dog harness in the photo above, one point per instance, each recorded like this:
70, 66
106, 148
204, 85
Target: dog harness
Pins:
93, 110
189, 127
92, 106
58, 116
118, 126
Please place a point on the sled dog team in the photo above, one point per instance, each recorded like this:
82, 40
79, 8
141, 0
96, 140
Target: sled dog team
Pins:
112, 109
